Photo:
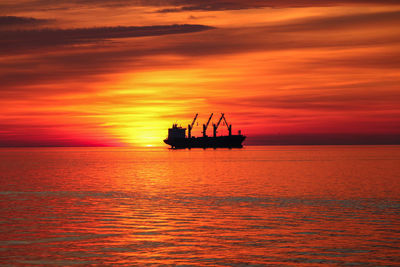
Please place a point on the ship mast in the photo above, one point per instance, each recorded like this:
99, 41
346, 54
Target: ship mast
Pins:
228, 125
215, 126
190, 126
205, 126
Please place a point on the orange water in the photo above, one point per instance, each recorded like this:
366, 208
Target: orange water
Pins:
284, 206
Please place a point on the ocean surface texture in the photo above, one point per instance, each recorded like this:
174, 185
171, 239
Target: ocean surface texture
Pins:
274, 206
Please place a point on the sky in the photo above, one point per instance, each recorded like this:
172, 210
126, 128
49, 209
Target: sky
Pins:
119, 73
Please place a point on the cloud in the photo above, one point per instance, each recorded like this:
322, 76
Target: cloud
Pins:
19, 40
56, 53
217, 5
321, 32
339, 98
178, 5
8, 23
13, 20
382, 60
327, 23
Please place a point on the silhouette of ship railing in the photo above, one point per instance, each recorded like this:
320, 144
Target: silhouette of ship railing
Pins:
177, 136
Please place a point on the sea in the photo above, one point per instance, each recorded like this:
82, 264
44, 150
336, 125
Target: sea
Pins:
255, 206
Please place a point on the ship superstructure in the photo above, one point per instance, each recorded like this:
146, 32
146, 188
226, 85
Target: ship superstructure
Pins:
177, 136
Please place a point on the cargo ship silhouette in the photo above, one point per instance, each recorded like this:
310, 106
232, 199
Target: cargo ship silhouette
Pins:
177, 136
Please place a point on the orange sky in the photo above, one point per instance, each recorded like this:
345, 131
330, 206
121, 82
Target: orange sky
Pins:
88, 72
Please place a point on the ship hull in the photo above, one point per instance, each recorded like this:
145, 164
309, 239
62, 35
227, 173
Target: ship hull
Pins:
232, 141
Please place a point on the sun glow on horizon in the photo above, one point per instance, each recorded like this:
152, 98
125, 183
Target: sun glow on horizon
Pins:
125, 79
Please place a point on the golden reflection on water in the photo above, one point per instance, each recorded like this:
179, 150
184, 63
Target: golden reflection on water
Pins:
258, 205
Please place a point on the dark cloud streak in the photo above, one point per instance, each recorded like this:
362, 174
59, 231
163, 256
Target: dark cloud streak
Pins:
217, 5
334, 99
8, 23
183, 5
340, 22
14, 20
15, 41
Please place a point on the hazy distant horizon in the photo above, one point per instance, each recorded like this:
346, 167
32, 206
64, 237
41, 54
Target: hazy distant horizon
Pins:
252, 140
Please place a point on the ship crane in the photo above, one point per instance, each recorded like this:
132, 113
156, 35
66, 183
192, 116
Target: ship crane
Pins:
228, 125
190, 126
205, 126
215, 126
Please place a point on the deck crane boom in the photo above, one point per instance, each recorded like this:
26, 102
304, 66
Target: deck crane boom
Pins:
190, 126
205, 126
229, 126
215, 126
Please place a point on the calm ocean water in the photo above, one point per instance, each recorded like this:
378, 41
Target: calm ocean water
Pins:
274, 206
